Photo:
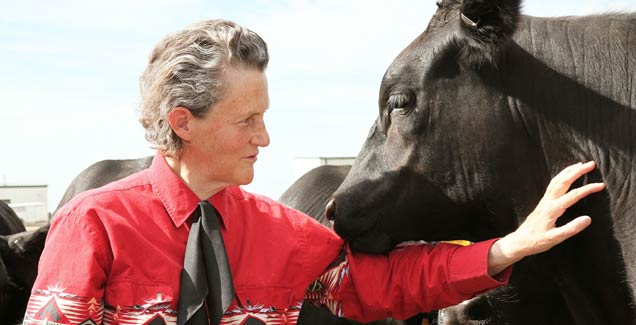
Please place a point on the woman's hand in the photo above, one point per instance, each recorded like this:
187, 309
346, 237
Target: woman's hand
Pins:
538, 233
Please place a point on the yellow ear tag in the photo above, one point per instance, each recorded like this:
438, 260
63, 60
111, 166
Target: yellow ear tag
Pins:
458, 242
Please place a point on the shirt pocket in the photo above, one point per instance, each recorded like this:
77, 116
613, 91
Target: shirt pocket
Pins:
139, 297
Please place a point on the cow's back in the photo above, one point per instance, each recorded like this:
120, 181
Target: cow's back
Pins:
10, 223
311, 192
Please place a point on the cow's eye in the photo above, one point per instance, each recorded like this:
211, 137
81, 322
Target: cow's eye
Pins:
399, 102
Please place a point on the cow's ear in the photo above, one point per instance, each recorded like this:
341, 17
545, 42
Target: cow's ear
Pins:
486, 28
30, 242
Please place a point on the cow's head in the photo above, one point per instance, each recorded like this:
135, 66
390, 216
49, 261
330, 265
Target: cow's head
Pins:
19, 256
433, 159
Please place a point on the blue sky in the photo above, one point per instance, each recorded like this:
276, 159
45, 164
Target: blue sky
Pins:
69, 71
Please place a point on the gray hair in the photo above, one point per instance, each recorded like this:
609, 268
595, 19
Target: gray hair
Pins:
186, 69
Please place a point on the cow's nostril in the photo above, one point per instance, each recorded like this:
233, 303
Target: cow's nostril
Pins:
330, 210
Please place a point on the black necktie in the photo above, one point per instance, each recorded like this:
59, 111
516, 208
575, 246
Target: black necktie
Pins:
206, 276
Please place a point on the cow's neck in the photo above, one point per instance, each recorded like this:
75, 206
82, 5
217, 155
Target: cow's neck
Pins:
581, 99
580, 109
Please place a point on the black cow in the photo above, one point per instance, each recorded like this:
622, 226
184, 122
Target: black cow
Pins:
19, 255
475, 117
10, 223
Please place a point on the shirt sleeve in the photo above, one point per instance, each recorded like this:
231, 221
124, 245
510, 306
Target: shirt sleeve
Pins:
72, 270
408, 280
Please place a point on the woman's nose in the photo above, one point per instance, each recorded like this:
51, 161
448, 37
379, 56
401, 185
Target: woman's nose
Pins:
261, 138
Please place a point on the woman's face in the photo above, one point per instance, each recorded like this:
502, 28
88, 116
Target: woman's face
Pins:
226, 141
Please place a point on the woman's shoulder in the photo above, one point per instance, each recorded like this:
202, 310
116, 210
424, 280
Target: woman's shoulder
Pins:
267, 206
106, 197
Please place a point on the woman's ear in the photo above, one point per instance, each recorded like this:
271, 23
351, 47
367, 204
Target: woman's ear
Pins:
179, 119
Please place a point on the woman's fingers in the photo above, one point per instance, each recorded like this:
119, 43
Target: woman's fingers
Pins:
557, 235
561, 183
570, 198
539, 230
557, 179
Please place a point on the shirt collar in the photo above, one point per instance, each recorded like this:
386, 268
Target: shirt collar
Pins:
177, 198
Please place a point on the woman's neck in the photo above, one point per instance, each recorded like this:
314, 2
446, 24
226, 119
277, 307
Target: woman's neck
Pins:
194, 177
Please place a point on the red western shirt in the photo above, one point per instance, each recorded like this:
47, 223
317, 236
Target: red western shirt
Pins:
114, 255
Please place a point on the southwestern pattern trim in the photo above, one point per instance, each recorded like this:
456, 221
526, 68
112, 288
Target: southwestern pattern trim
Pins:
321, 292
54, 306
261, 315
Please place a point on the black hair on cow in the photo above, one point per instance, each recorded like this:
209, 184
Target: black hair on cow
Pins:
486, 27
